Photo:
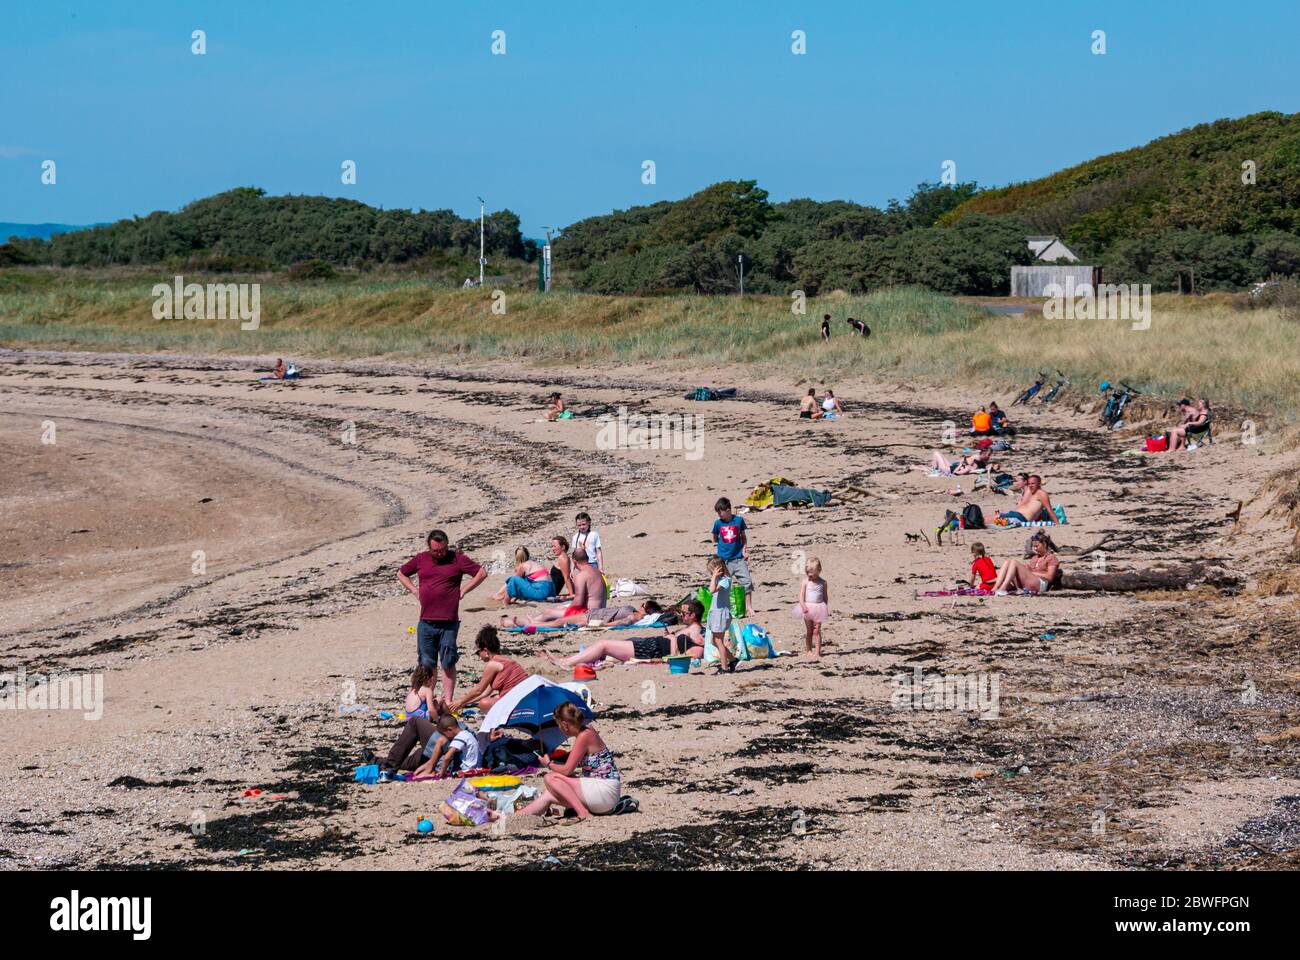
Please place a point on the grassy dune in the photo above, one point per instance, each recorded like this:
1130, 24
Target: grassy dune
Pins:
1215, 346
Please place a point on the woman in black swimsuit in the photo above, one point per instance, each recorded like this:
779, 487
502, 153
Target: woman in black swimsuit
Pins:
687, 639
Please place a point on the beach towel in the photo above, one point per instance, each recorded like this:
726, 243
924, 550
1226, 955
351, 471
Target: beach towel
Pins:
1008, 522
959, 592
649, 620
560, 629
761, 496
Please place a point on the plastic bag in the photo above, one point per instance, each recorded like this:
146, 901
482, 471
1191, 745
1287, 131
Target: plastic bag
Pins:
737, 601
508, 801
464, 808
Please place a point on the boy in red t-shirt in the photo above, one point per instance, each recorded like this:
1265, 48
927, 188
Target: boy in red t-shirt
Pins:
982, 571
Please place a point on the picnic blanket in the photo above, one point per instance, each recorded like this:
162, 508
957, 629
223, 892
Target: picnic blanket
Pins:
405, 777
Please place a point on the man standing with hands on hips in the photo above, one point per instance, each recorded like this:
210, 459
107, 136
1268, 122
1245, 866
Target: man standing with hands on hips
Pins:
440, 570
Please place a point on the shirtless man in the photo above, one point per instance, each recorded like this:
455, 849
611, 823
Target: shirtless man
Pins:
808, 409
588, 595
1035, 575
1033, 501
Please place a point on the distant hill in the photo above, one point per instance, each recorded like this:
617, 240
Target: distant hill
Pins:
246, 229
1191, 180
1174, 213
39, 231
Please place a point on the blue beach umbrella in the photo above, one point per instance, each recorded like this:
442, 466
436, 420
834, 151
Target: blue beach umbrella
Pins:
531, 706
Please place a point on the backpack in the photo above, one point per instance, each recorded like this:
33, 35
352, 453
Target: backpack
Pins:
509, 754
972, 517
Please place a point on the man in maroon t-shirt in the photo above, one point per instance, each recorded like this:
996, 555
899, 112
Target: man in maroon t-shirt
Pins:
440, 570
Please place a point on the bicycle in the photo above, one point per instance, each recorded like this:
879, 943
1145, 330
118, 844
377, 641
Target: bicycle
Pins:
1032, 391
1051, 394
1112, 415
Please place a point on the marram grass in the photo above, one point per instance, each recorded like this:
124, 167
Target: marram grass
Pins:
1203, 346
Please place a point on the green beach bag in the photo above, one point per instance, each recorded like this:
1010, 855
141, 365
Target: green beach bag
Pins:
737, 601
705, 598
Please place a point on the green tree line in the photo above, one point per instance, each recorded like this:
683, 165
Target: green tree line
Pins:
246, 229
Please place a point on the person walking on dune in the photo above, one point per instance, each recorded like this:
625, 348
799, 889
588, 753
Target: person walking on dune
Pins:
440, 570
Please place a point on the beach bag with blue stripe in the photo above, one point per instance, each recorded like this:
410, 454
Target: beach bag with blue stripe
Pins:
755, 644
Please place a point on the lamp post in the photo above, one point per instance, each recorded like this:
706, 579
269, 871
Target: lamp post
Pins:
482, 260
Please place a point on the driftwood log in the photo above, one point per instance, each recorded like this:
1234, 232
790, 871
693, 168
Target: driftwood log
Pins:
1178, 577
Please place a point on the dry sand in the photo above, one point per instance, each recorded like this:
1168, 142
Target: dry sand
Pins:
1124, 740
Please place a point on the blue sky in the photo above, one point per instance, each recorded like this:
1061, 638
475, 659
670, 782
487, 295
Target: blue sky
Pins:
558, 127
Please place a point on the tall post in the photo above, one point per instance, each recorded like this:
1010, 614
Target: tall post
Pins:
482, 260
740, 259
546, 260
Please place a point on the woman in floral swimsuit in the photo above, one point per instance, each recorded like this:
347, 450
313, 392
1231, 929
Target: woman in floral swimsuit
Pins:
588, 782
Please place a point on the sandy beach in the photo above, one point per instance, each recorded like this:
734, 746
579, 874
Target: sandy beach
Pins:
212, 547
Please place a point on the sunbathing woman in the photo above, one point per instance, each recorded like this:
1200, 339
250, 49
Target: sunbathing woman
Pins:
619, 616
530, 580
1195, 419
684, 640
1035, 576
808, 409
970, 463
